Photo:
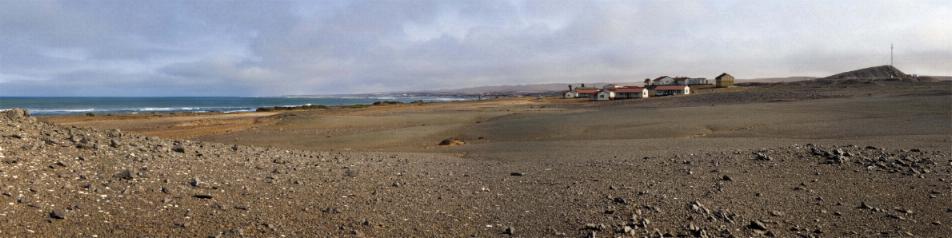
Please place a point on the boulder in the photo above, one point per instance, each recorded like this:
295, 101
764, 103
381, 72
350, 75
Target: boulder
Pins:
16, 114
453, 141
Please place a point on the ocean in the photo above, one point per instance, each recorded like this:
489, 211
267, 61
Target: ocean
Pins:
135, 105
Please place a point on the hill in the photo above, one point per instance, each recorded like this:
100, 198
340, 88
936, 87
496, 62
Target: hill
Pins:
883, 72
776, 80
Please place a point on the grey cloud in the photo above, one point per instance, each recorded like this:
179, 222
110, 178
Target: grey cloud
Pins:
156, 48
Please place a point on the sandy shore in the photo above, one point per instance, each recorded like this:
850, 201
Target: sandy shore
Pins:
802, 159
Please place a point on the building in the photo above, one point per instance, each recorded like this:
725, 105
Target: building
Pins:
570, 94
628, 92
670, 90
585, 92
688, 81
663, 80
696, 81
724, 80
605, 95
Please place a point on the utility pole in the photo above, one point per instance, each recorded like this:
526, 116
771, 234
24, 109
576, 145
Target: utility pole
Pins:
890, 54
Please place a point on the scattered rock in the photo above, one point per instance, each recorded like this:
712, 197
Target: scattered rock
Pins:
194, 182
452, 142
510, 230
351, 172
202, 196
757, 225
125, 174
57, 214
517, 174
620, 200
16, 114
178, 148
593, 226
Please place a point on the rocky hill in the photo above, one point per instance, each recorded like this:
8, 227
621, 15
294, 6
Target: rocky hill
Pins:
884, 72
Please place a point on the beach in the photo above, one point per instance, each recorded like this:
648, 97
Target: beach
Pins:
785, 159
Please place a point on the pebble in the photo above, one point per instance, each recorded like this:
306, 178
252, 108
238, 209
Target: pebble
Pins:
195, 182
757, 225
351, 172
592, 226
57, 214
510, 231
179, 148
517, 174
203, 196
620, 200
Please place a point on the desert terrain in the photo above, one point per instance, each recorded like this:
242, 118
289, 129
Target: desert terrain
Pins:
811, 159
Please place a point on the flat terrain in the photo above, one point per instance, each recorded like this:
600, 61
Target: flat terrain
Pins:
808, 159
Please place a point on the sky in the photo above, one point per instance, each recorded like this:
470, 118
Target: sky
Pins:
276, 47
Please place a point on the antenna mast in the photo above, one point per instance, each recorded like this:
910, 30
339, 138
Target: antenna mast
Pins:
890, 54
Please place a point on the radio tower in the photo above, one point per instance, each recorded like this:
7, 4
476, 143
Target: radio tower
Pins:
890, 54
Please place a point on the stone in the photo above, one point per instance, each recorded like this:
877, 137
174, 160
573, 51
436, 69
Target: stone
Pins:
16, 114
453, 141
620, 200
178, 148
194, 182
727, 178
125, 174
592, 226
510, 231
351, 172
517, 174
757, 225
203, 196
57, 214
761, 156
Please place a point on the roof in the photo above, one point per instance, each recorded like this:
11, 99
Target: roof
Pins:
722, 75
670, 87
659, 78
628, 89
586, 90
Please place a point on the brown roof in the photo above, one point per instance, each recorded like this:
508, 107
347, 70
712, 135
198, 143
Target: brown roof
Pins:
628, 89
670, 87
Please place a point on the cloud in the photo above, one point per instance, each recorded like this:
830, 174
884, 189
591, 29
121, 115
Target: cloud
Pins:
260, 48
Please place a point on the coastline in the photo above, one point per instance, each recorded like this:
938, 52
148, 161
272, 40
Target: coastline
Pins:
785, 160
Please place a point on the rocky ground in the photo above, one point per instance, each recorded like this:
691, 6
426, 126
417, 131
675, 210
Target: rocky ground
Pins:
76, 182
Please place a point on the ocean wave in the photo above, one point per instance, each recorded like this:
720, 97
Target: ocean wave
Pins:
166, 109
56, 110
240, 110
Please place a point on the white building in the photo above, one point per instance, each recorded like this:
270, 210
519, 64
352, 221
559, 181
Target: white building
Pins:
670, 90
605, 95
663, 80
628, 92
